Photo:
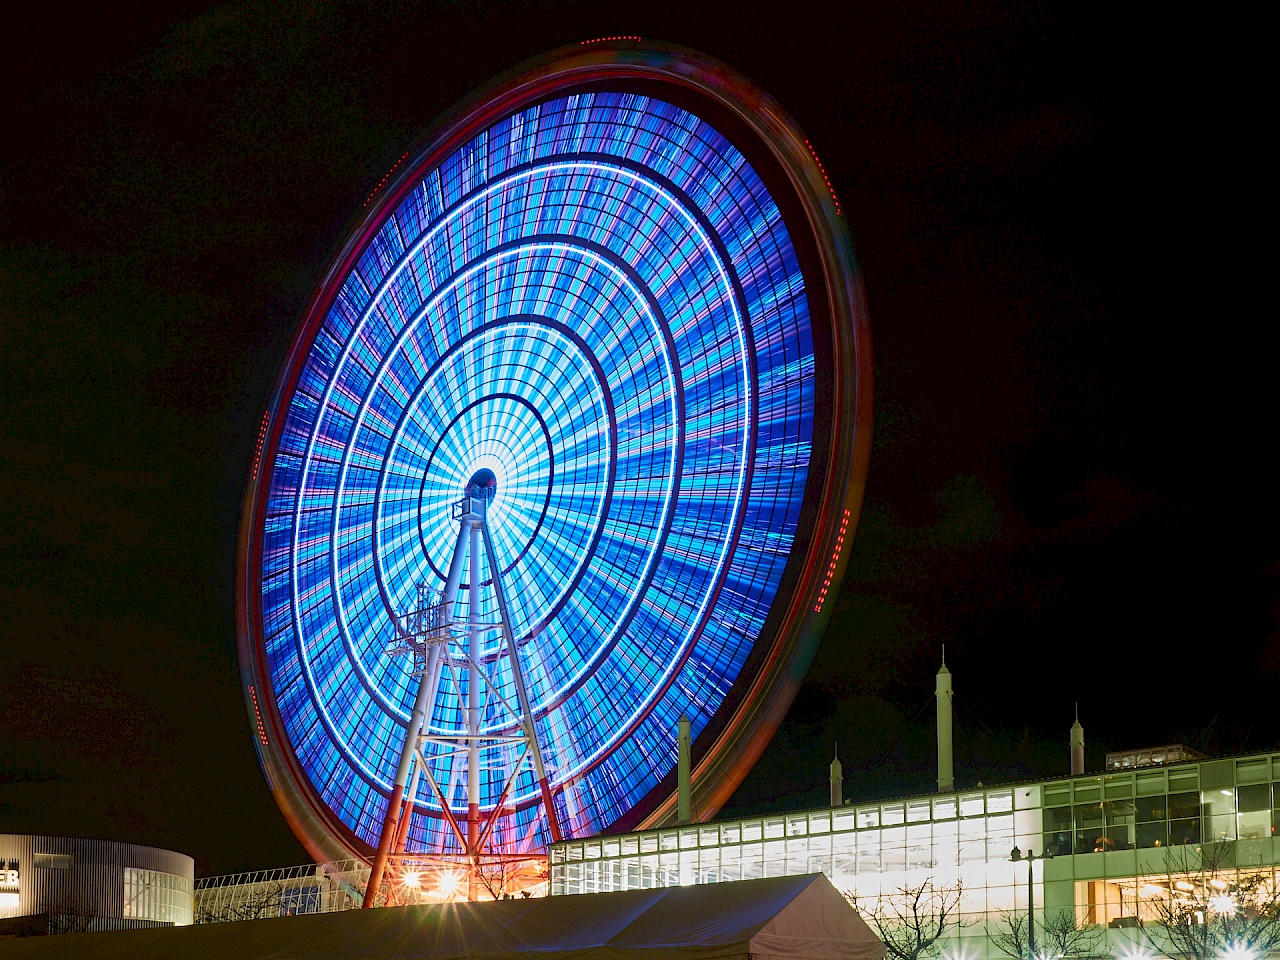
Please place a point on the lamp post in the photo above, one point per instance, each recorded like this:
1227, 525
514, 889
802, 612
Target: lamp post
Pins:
1015, 856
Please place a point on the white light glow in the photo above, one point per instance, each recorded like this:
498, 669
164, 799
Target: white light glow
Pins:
1223, 904
449, 885
412, 880
1237, 952
8, 899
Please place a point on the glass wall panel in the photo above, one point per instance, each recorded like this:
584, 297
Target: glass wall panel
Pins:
1120, 816
1154, 834
1089, 828
1184, 831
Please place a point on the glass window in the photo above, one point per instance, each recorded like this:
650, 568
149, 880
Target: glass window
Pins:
688, 839
152, 895
1218, 802
893, 851
593, 850
1183, 831
612, 848
820, 823
669, 840
774, 827
1148, 809
1056, 819
892, 814
1256, 796
731, 832
1000, 801
944, 808
1089, 828
1154, 834
1255, 825
1221, 827
919, 847
797, 826
918, 812
971, 806
1120, 818
868, 817
1184, 805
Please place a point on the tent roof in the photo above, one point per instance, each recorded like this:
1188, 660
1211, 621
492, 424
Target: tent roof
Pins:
783, 918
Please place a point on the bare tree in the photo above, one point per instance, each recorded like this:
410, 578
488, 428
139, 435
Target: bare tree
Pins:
71, 913
496, 874
1012, 936
914, 918
256, 901
1058, 936
1204, 908
1062, 938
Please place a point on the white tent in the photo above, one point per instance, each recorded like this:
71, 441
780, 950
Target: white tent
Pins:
783, 918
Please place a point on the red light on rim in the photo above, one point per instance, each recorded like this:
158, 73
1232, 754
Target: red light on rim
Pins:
583, 43
823, 170
383, 182
257, 715
257, 449
835, 557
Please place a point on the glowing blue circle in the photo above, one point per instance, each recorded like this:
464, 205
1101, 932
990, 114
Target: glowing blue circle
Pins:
597, 299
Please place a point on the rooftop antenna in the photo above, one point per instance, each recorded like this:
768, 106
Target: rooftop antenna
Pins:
837, 777
946, 771
1077, 745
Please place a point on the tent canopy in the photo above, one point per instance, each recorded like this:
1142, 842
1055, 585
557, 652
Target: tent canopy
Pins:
783, 918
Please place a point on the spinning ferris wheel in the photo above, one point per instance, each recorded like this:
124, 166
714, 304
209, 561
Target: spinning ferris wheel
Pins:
570, 443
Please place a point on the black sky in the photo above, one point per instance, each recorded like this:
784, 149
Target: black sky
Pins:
1068, 487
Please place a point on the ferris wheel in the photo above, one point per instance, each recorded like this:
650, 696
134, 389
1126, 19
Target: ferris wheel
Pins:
569, 445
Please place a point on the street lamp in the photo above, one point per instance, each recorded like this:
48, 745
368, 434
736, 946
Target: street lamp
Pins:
1015, 856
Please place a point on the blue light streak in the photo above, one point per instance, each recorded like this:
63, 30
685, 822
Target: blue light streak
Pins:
598, 300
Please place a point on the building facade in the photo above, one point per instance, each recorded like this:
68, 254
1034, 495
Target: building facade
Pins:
1119, 845
79, 884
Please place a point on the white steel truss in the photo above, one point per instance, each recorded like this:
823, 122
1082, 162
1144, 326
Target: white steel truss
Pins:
446, 649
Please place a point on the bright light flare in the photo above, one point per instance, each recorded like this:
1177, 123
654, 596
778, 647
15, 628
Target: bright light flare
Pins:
450, 884
412, 880
1239, 952
1224, 905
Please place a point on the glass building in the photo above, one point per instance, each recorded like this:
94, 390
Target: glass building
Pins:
1115, 842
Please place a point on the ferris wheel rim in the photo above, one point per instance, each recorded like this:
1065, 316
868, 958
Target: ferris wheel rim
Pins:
553, 74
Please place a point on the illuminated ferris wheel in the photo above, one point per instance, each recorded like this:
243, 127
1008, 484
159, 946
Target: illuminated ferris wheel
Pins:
570, 444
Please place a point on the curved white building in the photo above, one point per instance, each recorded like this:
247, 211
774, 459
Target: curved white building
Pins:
76, 884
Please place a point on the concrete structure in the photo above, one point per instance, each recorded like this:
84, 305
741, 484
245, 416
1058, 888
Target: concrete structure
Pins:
1116, 840
942, 690
80, 884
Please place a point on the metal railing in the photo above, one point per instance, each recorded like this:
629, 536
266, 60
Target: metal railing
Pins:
282, 892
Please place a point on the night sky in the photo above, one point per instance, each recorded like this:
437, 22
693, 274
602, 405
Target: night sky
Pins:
1068, 485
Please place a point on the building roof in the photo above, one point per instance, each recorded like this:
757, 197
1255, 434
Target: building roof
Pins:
771, 919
